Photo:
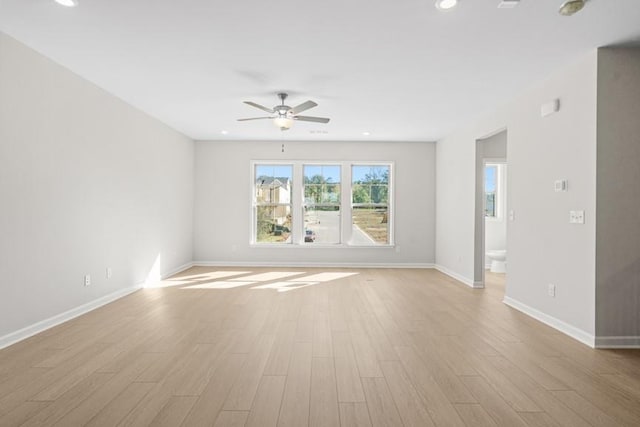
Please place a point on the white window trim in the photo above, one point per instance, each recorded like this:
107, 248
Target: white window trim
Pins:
297, 203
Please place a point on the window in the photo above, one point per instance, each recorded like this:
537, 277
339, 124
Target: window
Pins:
322, 204
495, 187
272, 207
303, 203
490, 190
370, 204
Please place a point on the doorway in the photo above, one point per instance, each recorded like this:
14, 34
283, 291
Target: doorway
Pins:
491, 206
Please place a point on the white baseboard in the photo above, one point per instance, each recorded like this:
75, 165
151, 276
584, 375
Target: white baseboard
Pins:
43, 325
177, 270
459, 277
618, 342
310, 264
572, 331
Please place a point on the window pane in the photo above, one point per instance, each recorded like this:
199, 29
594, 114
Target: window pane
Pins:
273, 224
331, 194
273, 183
321, 184
490, 205
370, 225
370, 173
273, 203
379, 194
370, 184
490, 180
322, 224
370, 200
312, 193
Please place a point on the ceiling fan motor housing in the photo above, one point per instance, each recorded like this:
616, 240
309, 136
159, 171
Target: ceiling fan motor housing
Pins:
282, 110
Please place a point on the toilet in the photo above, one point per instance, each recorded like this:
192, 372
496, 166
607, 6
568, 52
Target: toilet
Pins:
498, 259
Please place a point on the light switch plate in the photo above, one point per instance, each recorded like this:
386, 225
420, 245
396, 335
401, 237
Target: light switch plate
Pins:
560, 185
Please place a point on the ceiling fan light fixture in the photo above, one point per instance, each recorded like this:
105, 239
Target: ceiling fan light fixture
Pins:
284, 123
571, 7
67, 3
446, 4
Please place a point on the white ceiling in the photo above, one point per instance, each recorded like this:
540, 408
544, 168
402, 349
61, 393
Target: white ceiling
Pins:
400, 69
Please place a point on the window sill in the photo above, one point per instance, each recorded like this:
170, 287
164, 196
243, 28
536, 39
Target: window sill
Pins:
319, 246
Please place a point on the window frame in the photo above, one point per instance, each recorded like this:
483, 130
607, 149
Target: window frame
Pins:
255, 205
389, 205
297, 204
338, 204
499, 201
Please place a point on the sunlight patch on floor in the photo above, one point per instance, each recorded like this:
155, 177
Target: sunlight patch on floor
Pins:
195, 278
246, 278
220, 285
212, 275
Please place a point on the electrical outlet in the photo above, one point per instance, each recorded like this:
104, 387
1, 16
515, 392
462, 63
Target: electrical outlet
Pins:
576, 217
551, 290
87, 280
109, 273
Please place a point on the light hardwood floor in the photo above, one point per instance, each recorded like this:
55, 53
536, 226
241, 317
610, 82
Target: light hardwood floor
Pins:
297, 347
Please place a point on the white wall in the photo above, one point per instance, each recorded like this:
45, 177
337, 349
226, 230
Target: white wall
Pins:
543, 247
86, 182
223, 200
618, 197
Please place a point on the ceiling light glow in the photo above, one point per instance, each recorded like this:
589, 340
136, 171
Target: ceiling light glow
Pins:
224, 132
283, 123
68, 3
446, 4
366, 133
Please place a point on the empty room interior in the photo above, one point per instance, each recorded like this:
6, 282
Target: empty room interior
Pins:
362, 213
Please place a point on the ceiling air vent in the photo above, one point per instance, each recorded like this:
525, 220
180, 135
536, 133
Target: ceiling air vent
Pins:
508, 4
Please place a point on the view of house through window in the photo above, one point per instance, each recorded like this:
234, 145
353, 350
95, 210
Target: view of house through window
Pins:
301, 203
321, 203
370, 204
273, 203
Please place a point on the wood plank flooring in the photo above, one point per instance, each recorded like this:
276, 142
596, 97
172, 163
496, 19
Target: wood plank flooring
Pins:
314, 347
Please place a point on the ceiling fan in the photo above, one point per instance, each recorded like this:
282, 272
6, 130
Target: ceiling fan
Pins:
283, 115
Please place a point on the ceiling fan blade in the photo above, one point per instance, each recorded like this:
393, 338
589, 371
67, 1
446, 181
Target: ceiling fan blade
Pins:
311, 119
261, 107
303, 107
255, 118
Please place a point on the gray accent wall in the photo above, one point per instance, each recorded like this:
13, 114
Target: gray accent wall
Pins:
618, 196
223, 212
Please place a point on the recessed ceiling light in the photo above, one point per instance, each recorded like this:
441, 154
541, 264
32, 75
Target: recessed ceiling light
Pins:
68, 3
508, 4
446, 4
224, 132
366, 133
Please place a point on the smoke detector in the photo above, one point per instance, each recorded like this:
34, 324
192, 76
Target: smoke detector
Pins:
571, 6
